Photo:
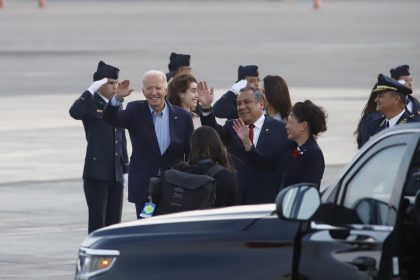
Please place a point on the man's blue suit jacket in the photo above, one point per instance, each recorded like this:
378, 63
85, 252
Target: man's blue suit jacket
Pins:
256, 184
146, 159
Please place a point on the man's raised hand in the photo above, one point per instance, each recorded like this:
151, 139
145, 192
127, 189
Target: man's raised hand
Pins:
242, 131
236, 88
96, 85
123, 90
205, 95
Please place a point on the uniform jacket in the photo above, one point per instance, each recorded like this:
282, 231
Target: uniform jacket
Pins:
106, 152
378, 124
257, 184
305, 165
416, 105
146, 159
225, 107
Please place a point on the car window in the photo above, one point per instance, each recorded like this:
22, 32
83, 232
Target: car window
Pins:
413, 180
370, 189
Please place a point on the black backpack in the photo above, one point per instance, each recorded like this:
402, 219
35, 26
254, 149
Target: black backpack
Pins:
177, 191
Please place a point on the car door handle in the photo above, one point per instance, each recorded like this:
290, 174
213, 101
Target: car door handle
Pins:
364, 263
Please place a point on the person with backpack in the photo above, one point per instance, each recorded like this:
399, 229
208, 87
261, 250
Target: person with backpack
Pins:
207, 150
206, 181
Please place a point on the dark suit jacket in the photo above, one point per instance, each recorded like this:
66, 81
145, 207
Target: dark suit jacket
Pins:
106, 154
225, 106
307, 167
378, 124
146, 159
257, 184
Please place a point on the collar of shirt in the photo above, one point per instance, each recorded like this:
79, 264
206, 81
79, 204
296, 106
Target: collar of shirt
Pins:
394, 120
257, 129
103, 97
162, 113
259, 123
277, 116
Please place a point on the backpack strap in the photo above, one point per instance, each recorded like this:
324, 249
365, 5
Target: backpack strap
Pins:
214, 170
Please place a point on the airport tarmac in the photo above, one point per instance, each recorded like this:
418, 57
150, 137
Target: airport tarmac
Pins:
43, 212
47, 58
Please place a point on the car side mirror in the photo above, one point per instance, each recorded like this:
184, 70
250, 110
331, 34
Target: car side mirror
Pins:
298, 202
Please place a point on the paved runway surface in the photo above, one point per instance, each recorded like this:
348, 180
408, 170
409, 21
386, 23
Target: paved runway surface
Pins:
47, 58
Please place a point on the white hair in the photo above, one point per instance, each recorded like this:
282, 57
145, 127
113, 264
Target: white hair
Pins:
154, 73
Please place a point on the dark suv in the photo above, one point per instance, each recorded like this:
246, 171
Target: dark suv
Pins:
365, 226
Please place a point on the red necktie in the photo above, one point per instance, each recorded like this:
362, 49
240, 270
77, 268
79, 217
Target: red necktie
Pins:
251, 132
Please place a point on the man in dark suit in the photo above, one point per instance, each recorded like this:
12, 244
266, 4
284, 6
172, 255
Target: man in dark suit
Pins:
257, 184
159, 132
106, 154
225, 107
391, 102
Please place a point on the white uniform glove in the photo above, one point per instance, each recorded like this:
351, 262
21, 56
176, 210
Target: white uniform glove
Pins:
238, 86
96, 85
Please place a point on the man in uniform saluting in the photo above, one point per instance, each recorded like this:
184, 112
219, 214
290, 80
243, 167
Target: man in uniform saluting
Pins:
106, 155
402, 75
390, 101
225, 107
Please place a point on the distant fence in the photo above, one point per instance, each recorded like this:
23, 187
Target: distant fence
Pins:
41, 3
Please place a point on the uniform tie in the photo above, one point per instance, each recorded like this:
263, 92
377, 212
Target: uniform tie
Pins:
251, 132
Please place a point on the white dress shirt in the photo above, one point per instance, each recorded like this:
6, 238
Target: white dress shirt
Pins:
392, 122
257, 129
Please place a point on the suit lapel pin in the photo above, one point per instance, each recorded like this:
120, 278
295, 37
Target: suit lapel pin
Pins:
175, 117
99, 110
266, 130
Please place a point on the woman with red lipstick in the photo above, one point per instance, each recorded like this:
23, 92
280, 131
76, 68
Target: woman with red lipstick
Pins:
182, 92
305, 161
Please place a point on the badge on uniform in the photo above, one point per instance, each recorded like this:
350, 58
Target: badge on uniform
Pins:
148, 210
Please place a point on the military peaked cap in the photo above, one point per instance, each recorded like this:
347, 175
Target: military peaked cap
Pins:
388, 84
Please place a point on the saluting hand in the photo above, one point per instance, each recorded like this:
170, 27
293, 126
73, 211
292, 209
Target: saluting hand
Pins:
96, 85
236, 88
205, 95
242, 131
123, 90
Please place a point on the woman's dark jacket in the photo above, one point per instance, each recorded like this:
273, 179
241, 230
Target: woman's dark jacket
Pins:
226, 184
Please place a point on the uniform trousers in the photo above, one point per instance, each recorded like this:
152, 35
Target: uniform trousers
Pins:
104, 200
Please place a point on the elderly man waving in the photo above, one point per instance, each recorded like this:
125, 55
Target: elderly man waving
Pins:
159, 133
